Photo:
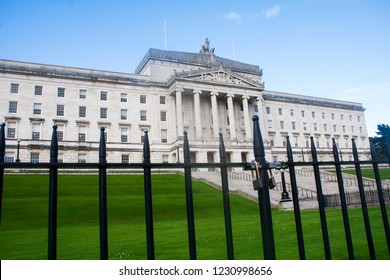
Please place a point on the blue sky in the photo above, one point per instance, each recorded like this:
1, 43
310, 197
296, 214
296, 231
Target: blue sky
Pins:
337, 49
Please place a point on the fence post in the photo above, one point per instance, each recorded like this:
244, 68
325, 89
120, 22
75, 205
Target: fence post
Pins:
363, 201
148, 198
263, 194
226, 199
294, 191
2, 155
103, 197
343, 200
320, 198
53, 177
189, 198
380, 195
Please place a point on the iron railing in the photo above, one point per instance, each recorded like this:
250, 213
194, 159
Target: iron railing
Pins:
263, 193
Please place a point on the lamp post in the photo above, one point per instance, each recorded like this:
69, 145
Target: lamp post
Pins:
17, 151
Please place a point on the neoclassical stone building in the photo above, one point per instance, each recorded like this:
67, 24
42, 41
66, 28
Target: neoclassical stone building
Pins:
170, 93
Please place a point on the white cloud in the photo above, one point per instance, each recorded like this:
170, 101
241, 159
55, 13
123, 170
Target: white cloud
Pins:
272, 12
232, 16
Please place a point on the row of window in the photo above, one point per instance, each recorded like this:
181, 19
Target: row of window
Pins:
37, 110
313, 114
328, 142
315, 127
82, 133
38, 90
81, 158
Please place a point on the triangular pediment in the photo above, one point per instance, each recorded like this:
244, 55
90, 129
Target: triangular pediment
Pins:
220, 76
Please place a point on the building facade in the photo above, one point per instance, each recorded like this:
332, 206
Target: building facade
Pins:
169, 94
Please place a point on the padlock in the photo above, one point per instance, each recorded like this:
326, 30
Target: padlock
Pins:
256, 179
271, 181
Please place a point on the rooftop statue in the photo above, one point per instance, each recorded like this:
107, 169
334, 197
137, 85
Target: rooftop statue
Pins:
205, 47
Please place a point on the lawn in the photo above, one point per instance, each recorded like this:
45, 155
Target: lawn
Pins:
369, 173
23, 231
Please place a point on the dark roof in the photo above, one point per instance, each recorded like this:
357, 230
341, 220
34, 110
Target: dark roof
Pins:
201, 59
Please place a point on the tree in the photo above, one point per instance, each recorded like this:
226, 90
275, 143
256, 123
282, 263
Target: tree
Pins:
381, 142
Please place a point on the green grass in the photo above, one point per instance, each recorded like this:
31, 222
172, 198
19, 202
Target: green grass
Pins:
369, 173
23, 231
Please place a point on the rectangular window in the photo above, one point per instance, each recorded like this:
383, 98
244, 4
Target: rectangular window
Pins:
60, 110
60, 92
291, 112
123, 114
334, 128
103, 113
303, 114
342, 117
269, 123
14, 88
344, 128
350, 118
13, 107
271, 140
83, 94
332, 116
60, 157
256, 108
123, 97
143, 116
162, 100
165, 158
82, 133
352, 129
11, 130
142, 99
358, 118
280, 110
60, 132
325, 127
323, 116
360, 129
36, 131
163, 116
304, 126
81, 158
125, 159
164, 136
82, 111
281, 124
313, 114
34, 157
124, 135
37, 109
9, 157
103, 95
315, 127
268, 110
293, 126
38, 90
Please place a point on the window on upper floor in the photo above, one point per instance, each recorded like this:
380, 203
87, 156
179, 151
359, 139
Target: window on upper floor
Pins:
123, 97
142, 99
82, 111
268, 110
123, 114
83, 94
13, 107
162, 99
60, 92
163, 116
38, 90
14, 88
60, 110
37, 108
103, 95
103, 113
143, 116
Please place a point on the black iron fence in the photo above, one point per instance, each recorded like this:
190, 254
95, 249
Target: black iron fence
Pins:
262, 184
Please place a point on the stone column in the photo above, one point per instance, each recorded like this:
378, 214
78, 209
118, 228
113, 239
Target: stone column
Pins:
214, 110
179, 113
247, 120
232, 119
262, 117
198, 119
